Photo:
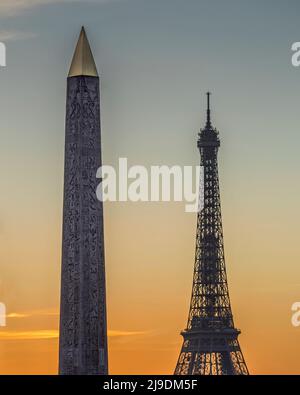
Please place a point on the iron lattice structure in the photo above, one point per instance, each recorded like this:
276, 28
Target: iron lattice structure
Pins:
210, 345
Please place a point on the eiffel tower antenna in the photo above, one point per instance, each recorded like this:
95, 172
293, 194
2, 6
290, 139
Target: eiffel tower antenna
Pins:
210, 341
208, 124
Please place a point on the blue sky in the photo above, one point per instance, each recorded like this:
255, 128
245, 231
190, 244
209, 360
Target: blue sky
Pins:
156, 59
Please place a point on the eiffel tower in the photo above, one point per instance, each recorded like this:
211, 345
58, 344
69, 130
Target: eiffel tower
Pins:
210, 341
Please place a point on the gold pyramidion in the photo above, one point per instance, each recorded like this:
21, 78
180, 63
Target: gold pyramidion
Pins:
83, 61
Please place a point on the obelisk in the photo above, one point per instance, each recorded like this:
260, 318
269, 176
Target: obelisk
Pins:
83, 327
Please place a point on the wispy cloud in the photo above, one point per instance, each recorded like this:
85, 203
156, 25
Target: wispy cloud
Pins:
54, 334
10, 8
16, 315
112, 333
14, 7
34, 313
10, 35
29, 335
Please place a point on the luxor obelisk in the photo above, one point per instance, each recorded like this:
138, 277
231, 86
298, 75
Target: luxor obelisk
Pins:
83, 327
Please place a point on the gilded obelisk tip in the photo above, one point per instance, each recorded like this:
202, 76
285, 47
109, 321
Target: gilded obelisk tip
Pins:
83, 61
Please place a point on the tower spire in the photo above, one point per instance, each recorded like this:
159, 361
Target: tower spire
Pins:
208, 123
83, 61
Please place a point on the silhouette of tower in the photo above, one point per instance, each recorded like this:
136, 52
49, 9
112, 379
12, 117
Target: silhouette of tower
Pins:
83, 332
210, 344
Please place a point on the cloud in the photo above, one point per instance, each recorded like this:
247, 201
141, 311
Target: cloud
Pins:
112, 333
51, 333
10, 35
16, 315
29, 335
14, 7
34, 313
54, 334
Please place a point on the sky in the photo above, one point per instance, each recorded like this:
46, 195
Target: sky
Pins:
156, 59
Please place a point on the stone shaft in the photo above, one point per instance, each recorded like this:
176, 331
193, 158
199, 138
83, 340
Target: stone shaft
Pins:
83, 327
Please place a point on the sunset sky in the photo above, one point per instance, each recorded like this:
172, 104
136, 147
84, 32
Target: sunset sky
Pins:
156, 58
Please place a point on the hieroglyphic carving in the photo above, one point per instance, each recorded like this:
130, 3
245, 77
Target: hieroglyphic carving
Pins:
83, 328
